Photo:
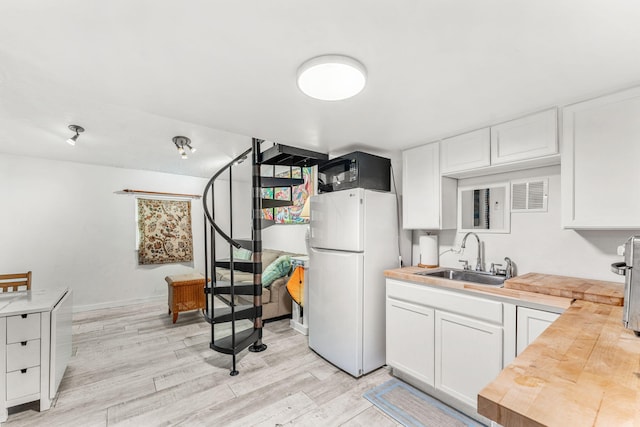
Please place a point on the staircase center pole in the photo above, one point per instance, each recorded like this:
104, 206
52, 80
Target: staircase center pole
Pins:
256, 237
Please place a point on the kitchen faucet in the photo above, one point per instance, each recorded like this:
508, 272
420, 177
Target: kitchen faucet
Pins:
479, 259
508, 270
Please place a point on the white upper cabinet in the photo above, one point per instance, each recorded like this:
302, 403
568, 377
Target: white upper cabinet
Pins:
466, 151
526, 138
428, 199
600, 158
527, 142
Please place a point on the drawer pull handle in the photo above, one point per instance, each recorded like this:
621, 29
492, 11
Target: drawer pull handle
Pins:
24, 316
24, 371
23, 343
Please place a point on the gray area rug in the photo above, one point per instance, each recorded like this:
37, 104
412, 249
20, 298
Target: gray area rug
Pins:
411, 407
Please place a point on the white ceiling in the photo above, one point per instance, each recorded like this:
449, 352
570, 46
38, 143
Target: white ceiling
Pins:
135, 73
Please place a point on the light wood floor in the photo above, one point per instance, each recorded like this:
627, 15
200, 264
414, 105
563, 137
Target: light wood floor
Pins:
132, 366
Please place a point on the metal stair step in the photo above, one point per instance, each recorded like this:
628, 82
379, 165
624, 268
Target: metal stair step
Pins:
266, 223
247, 266
285, 155
269, 182
246, 243
273, 203
242, 340
224, 288
245, 311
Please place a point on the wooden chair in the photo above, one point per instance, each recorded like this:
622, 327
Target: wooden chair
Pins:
15, 282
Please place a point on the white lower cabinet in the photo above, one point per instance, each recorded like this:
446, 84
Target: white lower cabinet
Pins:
454, 342
468, 355
35, 347
407, 350
531, 323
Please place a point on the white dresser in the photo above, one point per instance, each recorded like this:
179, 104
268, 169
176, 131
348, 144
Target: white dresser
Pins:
35, 346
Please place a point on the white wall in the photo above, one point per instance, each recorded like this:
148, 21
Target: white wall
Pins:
66, 223
537, 242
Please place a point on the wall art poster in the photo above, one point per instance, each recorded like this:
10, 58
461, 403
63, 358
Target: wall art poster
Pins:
297, 194
165, 231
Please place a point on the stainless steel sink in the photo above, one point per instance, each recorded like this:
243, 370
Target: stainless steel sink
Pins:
479, 277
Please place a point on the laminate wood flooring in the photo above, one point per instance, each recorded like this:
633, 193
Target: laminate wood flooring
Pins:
132, 367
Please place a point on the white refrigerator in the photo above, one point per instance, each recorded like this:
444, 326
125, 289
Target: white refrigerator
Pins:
353, 239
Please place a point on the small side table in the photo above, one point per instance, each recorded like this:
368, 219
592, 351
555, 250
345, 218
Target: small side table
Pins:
186, 292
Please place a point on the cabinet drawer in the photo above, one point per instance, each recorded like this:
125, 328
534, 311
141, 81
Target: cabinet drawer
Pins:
23, 355
21, 328
20, 384
453, 302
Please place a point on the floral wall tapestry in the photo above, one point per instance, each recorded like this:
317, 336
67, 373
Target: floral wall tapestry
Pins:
165, 231
298, 194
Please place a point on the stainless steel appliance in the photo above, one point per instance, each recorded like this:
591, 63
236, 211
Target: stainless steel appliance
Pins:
630, 268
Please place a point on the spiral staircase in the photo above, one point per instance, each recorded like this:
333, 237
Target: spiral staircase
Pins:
234, 309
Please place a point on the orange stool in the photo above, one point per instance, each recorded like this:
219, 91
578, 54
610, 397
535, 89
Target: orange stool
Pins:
186, 292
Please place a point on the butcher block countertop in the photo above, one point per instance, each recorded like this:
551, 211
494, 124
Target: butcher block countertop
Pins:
569, 287
584, 370
533, 299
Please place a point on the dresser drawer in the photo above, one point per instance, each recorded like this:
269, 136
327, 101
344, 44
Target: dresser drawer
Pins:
25, 354
20, 384
21, 328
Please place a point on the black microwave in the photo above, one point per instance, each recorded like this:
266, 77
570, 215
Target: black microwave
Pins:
355, 170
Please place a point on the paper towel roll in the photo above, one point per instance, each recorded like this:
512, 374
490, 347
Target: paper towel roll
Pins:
429, 250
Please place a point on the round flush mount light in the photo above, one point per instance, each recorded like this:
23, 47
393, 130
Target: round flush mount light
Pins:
332, 77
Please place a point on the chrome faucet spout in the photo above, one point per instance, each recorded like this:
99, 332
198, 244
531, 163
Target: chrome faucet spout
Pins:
509, 267
479, 257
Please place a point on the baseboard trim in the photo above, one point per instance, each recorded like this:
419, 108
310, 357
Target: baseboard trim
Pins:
112, 304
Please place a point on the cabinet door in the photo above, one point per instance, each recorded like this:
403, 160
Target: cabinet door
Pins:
600, 158
530, 324
61, 341
421, 187
428, 200
410, 339
468, 355
466, 151
526, 138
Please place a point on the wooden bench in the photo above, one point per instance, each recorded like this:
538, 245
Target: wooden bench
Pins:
186, 292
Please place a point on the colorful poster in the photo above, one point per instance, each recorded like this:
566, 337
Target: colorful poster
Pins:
297, 194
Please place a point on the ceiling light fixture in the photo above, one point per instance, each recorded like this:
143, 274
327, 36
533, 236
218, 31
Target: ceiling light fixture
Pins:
332, 77
181, 142
77, 129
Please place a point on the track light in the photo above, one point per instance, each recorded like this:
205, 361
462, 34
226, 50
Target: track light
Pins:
77, 129
181, 142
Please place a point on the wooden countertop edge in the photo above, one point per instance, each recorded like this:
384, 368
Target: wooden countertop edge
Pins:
408, 273
493, 411
599, 291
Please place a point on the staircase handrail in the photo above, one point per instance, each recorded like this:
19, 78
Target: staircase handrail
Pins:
207, 213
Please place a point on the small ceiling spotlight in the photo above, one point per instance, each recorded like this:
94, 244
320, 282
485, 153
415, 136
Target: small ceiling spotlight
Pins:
181, 142
332, 77
78, 130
